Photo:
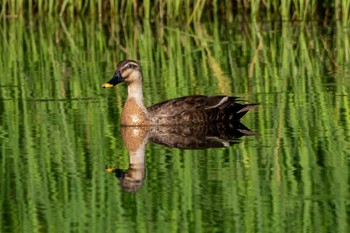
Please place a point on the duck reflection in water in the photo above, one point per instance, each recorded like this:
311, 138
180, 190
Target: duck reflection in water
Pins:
190, 122
135, 139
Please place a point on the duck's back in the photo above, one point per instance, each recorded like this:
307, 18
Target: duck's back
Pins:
198, 110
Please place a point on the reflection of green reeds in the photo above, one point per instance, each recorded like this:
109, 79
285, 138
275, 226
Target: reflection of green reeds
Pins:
180, 10
58, 128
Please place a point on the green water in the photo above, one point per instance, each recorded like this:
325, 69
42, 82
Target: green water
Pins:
59, 128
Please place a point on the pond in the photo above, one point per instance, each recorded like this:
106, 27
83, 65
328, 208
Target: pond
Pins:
60, 130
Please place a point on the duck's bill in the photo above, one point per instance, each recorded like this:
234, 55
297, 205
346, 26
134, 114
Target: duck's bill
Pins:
117, 78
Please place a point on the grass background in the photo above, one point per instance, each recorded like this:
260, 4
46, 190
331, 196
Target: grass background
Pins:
181, 10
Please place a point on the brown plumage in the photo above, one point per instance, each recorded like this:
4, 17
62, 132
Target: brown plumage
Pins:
188, 110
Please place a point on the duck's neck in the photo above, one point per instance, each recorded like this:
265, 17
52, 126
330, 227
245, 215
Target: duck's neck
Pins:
135, 92
134, 111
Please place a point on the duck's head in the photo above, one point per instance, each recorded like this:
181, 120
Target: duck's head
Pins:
128, 71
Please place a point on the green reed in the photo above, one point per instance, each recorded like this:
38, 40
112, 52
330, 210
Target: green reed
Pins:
59, 128
180, 10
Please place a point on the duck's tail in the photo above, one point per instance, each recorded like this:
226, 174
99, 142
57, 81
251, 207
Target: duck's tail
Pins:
242, 109
231, 111
234, 111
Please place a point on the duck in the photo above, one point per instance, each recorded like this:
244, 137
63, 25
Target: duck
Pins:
187, 110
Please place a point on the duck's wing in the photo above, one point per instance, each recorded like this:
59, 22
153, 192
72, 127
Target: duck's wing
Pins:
199, 109
187, 103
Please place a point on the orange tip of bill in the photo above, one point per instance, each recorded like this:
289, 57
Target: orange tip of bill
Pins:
110, 169
105, 85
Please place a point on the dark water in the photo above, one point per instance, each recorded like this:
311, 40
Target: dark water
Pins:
59, 130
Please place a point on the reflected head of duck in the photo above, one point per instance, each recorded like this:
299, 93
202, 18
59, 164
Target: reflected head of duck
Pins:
128, 71
132, 179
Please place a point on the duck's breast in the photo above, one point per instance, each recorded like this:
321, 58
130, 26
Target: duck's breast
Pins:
133, 113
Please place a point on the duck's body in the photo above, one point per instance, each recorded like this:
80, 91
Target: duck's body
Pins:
180, 111
198, 109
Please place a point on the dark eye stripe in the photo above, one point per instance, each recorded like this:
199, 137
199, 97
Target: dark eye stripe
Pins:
122, 66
